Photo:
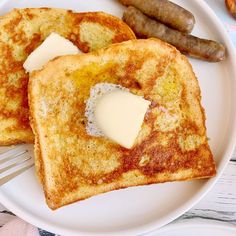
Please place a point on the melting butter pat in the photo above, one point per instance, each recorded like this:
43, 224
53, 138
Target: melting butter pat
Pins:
119, 115
53, 46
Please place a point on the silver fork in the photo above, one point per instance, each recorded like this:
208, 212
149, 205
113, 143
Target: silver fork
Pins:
13, 162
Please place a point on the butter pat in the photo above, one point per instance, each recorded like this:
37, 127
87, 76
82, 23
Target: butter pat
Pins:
53, 46
119, 115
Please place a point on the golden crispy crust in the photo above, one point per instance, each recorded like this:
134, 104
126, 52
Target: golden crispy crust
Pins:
172, 144
21, 31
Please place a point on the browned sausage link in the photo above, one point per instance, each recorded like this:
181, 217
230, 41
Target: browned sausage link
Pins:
166, 12
145, 27
231, 6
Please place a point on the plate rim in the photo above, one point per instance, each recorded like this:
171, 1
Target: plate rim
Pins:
39, 222
193, 223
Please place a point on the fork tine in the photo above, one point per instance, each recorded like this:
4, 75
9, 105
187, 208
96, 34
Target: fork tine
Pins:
13, 175
8, 158
15, 164
7, 149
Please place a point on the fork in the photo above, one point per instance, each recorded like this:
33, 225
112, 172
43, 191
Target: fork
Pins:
13, 162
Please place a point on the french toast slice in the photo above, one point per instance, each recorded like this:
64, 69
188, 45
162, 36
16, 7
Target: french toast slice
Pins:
171, 145
21, 31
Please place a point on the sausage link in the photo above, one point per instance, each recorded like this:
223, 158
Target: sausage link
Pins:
166, 12
231, 6
145, 27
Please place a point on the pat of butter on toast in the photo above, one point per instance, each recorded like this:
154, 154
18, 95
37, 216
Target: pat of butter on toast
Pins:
120, 114
53, 46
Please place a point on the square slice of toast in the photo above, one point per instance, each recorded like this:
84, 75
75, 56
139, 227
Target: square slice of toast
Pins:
171, 145
21, 32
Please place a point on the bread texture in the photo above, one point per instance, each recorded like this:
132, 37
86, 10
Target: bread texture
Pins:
21, 31
171, 145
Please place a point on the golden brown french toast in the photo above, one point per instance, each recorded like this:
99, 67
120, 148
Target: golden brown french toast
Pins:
171, 145
21, 31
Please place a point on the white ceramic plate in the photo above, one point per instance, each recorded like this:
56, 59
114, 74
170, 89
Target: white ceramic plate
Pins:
139, 209
196, 228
